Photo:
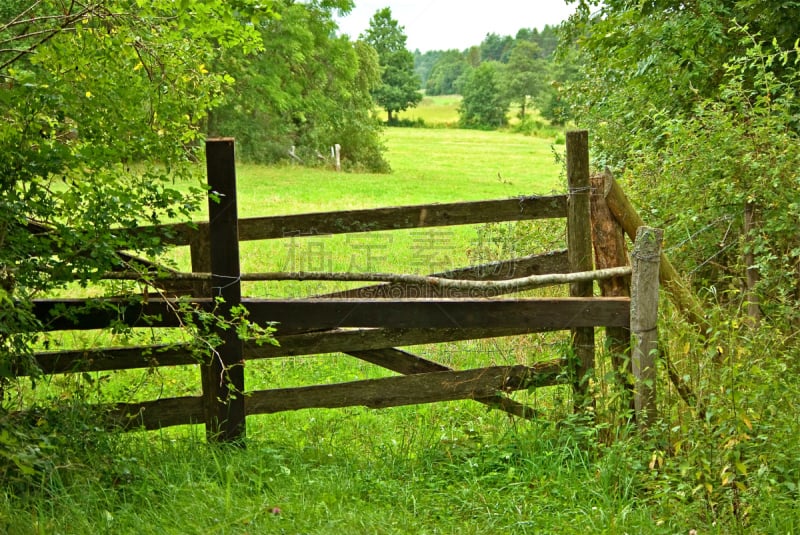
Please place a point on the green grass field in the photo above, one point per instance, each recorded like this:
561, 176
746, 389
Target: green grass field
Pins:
433, 469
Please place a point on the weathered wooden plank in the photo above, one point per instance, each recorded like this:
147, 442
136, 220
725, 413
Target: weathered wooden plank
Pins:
373, 219
157, 414
406, 389
113, 358
644, 322
303, 315
223, 376
534, 313
537, 264
346, 340
610, 250
76, 314
579, 240
408, 363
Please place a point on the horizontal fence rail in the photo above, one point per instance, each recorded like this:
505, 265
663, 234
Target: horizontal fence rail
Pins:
397, 391
375, 219
297, 315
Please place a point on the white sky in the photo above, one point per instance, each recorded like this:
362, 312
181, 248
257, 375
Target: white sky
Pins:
459, 24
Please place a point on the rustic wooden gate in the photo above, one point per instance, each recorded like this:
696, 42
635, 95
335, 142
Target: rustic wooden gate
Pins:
371, 322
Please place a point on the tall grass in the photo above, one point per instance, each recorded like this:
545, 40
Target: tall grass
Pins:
443, 468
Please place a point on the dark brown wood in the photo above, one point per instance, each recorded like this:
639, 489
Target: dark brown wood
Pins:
345, 340
303, 315
407, 389
644, 322
374, 219
538, 264
114, 358
80, 314
610, 250
579, 243
223, 376
157, 414
200, 254
336, 341
408, 364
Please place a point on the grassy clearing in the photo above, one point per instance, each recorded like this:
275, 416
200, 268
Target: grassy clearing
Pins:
444, 468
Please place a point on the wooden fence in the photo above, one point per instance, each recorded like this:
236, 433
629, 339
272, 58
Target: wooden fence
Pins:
370, 323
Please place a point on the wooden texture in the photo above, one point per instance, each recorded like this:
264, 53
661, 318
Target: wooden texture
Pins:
538, 264
223, 375
112, 358
610, 250
157, 414
374, 219
348, 340
80, 314
579, 244
537, 314
644, 322
408, 364
406, 389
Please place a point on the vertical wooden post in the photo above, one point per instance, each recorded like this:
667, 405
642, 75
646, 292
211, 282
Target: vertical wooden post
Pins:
645, 261
610, 251
223, 377
752, 276
579, 243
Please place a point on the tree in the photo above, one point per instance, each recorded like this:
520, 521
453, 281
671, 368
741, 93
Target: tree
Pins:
483, 104
525, 74
399, 88
496, 48
696, 101
101, 105
306, 89
447, 73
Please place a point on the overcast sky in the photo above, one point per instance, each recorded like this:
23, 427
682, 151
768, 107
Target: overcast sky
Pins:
445, 24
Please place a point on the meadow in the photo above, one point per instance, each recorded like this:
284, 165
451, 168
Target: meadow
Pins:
442, 468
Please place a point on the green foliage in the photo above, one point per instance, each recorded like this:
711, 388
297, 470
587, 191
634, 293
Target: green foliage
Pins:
101, 104
399, 88
447, 75
484, 105
496, 48
305, 88
525, 75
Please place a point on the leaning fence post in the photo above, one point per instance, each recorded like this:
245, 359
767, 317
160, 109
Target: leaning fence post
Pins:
223, 377
645, 260
579, 245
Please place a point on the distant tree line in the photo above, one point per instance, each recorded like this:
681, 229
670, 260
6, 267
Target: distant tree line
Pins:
500, 71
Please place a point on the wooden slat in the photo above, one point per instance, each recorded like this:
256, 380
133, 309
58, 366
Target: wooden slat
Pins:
315, 343
374, 219
117, 358
406, 389
408, 364
551, 262
303, 315
73, 314
157, 414
346, 340
541, 313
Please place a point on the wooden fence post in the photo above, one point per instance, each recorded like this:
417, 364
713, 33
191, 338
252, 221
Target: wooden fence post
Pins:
610, 251
579, 243
645, 261
223, 377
